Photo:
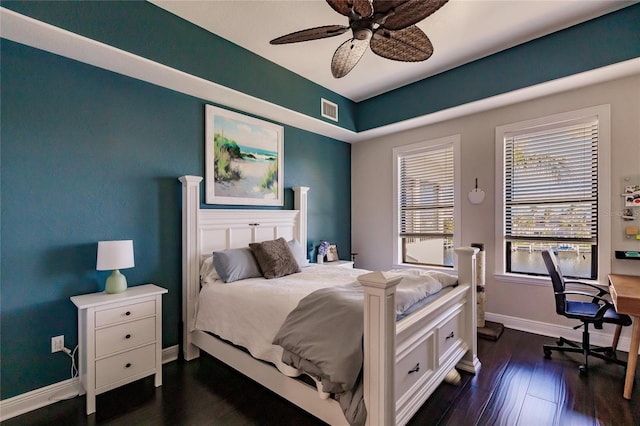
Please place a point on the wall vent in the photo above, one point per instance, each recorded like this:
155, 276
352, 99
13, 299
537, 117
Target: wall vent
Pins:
329, 109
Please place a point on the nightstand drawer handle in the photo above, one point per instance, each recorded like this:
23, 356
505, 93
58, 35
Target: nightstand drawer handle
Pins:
414, 369
127, 313
128, 336
450, 336
127, 365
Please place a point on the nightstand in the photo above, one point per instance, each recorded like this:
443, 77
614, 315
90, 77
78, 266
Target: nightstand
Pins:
119, 338
340, 263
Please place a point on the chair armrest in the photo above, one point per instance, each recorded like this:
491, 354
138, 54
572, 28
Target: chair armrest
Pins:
601, 291
582, 293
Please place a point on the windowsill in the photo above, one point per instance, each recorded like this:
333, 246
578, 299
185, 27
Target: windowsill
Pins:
539, 281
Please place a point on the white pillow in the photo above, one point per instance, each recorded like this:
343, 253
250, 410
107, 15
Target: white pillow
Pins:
208, 273
298, 253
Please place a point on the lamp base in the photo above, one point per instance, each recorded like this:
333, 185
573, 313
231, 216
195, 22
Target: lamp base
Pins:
116, 283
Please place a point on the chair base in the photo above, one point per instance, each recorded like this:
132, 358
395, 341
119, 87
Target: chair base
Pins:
606, 353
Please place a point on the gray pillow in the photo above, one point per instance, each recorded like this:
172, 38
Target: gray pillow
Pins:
275, 258
298, 253
236, 264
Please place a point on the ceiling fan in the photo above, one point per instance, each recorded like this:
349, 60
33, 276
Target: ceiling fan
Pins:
387, 26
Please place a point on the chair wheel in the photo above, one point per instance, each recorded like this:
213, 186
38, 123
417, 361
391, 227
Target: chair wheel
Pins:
547, 353
583, 370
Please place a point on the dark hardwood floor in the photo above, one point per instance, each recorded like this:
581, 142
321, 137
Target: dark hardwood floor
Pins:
515, 386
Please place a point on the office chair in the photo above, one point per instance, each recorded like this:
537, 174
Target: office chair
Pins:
596, 312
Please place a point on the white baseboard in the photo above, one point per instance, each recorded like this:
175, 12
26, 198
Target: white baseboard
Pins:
170, 354
56, 392
39, 398
597, 337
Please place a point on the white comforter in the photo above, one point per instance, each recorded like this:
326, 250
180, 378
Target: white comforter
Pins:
250, 312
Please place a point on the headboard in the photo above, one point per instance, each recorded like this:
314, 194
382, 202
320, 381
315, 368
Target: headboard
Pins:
206, 230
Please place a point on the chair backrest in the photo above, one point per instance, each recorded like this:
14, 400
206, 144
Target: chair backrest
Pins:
557, 279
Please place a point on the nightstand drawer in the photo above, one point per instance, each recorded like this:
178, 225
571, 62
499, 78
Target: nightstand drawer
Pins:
125, 336
125, 313
119, 367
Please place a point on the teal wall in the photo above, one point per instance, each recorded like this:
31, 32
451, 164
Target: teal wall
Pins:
606, 40
91, 155
151, 32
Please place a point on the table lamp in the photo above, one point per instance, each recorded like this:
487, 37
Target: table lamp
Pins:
115, 255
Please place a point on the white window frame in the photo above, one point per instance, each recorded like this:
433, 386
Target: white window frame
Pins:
454, 141
603, 114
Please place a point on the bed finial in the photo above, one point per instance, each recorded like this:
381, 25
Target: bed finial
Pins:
300, 196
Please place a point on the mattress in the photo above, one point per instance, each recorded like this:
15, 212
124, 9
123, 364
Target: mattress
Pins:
249, 312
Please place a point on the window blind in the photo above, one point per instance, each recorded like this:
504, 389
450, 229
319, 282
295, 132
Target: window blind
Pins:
426, 193
551, 184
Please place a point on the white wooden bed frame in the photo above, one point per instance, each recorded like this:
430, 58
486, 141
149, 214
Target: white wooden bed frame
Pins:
404, 361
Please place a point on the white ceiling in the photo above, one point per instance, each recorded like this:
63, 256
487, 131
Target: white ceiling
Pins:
461, 31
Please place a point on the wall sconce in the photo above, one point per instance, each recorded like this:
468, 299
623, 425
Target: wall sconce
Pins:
476, 195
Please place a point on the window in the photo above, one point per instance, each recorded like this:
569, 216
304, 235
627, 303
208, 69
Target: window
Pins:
425, 202
551, 193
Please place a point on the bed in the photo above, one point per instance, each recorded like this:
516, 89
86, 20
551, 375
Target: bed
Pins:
404, 360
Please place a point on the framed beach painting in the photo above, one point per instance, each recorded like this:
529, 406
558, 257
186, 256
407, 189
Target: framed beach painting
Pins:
243, 159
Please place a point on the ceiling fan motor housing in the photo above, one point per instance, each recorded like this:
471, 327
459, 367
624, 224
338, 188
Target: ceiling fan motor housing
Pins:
362, 34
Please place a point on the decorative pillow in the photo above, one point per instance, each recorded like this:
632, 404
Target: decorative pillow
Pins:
275, 258
236, 264
208, 273
298, 253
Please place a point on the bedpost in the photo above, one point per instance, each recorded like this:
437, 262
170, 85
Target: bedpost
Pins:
300, 196
190, 261
379, 347
467, 275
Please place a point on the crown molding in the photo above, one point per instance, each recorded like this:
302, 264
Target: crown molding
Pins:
40, 35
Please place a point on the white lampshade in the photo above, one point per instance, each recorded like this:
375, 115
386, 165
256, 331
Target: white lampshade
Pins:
115, 255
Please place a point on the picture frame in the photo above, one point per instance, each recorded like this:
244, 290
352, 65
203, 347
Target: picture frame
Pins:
243, 159
632, 196
332, 253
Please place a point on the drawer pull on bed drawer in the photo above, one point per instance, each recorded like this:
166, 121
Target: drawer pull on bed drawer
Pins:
450, 336
128, 365
128, 336
414, 369
127, 313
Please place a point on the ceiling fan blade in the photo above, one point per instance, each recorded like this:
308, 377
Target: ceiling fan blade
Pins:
398, 14
362, 8
347, 56
408, 45
311, 34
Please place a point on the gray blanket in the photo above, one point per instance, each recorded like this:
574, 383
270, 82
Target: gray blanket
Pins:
323, 335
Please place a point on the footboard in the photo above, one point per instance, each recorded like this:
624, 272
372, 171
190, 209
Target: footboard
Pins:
405, 362
429, 344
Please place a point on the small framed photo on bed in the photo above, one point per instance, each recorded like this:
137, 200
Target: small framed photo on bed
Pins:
332, 253
243, 159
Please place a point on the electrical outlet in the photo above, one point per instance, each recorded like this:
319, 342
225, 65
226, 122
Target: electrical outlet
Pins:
57, 343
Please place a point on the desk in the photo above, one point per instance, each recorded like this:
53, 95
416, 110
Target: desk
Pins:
625, 293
